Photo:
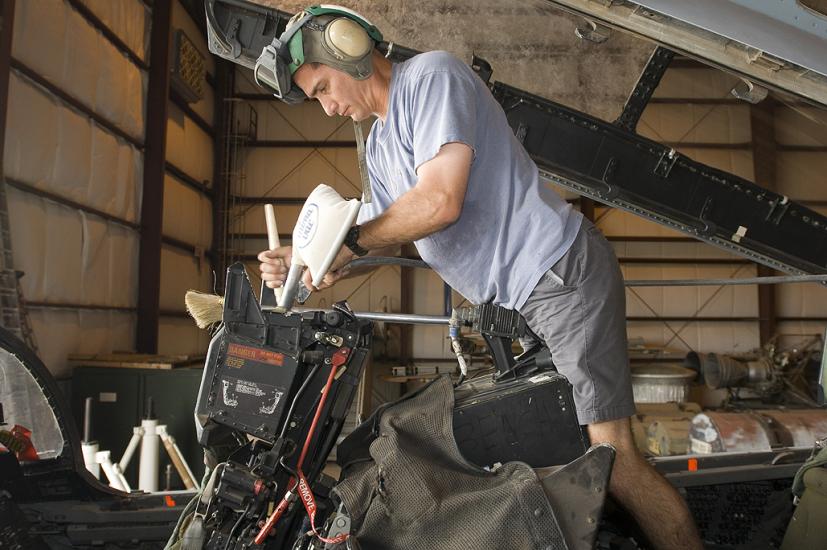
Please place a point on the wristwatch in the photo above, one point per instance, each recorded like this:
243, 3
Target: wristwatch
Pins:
351, 241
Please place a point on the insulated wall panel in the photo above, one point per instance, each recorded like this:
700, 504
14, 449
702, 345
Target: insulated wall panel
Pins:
306, 121
429, 341
696, 123
690, 301
707, 337
60, 332
181, 272
800, 175
800, 125
801, 300
82, 62
695, 83
205, 106
296, 171
180, 336
71, 257
130, 20
189, 148
249, 218
56, 149
187, 213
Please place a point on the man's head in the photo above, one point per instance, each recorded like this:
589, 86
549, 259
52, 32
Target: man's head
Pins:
331, 36
338, 92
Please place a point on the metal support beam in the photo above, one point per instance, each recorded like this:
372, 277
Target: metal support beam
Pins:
190, 113
37, 78
222, 109
645, 87
152, 203
6, 32
188, 180
587, 208
107, 33
764, 157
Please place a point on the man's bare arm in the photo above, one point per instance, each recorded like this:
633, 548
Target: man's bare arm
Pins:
433, 204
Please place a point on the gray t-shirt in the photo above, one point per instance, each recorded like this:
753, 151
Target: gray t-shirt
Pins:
512, 228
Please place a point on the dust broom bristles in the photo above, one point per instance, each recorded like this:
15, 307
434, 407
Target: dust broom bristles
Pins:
206, 309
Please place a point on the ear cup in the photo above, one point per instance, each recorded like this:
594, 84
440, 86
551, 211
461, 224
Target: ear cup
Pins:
346, 39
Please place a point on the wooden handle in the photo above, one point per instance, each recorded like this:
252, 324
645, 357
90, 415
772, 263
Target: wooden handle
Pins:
272, 237
272, 229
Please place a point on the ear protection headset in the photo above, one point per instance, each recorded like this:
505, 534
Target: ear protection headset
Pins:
331, 35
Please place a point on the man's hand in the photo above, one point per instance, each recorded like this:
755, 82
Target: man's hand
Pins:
338, 270
274, 265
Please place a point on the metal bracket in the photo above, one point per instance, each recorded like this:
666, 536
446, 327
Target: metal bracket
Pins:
749, 91
762, 59
641, 94
482, 68
592, 31
778, 208
520, 134
665, 163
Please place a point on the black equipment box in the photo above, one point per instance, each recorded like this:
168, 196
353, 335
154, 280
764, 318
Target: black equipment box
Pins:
531, 419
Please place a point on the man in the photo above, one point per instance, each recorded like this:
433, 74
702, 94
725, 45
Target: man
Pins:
447, 173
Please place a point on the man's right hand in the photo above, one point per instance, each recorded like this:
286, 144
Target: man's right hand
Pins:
274, 265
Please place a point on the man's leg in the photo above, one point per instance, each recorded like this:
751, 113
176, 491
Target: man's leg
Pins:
579, 309
644, 493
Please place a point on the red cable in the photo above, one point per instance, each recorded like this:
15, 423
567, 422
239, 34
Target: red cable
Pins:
339, 358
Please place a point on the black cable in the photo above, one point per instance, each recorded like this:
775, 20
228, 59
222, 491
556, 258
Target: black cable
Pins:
296, 399
388, 260
235, 526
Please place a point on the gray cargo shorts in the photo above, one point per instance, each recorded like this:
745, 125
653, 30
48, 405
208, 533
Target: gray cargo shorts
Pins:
579, 309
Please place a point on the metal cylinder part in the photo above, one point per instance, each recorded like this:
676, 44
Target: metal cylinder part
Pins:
148, 467
87, 420
716, 432
723, 371
661, 383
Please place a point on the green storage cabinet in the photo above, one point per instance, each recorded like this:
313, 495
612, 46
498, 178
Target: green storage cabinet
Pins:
119, 400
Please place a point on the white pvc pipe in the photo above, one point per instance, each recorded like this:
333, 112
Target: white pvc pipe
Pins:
137, 433
148, 469
89, 452
104, 459
121, 477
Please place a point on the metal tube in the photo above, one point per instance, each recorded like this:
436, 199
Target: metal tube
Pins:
732, 282
291, 285
87, 420
401, 318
